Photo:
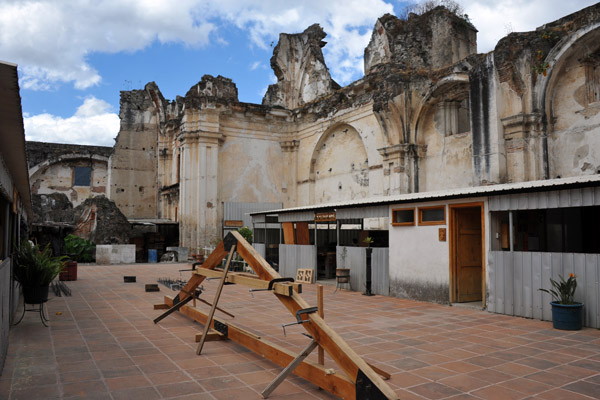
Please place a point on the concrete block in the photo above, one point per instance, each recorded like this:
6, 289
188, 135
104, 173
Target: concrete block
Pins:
115, 254
182, 253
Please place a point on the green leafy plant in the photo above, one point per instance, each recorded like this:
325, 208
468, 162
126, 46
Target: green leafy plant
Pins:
368, 240
35, 267
79, 249
563, 290
246, 234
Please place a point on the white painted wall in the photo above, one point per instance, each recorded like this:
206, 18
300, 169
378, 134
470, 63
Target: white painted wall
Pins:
417, 256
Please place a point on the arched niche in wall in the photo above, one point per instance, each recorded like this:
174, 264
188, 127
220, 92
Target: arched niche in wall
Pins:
339, 168
78, 176
443, 136
570, 97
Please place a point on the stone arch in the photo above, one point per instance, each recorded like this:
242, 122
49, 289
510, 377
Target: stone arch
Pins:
55, 175
442, 140
339, 166
570, 146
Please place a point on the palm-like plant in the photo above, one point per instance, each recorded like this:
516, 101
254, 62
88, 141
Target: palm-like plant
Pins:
563, 290
35, 267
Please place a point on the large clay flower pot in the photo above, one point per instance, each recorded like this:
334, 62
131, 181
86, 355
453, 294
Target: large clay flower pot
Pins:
567, 317
69, 272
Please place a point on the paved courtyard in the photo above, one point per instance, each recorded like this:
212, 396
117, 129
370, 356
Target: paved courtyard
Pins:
102, 344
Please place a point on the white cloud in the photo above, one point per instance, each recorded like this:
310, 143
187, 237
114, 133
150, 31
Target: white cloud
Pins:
53, 46
341, 20
93, 123
492, 18
255, 65
51, 40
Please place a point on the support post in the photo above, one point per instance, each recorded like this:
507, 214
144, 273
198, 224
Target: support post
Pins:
214, 305
322, 315
369, 272
289, 369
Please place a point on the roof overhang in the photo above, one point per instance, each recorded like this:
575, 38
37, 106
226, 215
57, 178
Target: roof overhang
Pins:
478, 191
12, 132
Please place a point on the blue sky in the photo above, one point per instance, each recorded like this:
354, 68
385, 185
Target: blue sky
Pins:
75, 56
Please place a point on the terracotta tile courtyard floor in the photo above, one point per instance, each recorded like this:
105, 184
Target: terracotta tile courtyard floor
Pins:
102, 344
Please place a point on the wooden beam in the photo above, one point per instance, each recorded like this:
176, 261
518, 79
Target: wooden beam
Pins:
350, 362
216, 300
211, 262
289, 369
365, 382
384, 375
161, 307
321, 356
335, 383
211, 336
254, 282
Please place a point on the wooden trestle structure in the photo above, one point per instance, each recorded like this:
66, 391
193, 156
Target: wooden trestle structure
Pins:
359, 381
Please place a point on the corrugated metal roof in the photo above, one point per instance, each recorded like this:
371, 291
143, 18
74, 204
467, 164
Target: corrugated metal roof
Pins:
505, 188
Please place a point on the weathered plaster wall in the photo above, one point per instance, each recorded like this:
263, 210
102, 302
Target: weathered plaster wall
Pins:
208, 148
133, 165
60, 178
447, 161
52, 169
574, 144
419, 262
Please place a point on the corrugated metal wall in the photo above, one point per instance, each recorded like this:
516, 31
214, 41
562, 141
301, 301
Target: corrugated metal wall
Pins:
363, 212
515, 277
554, 199
356, 261
297, 216
241, 211
5, 309
260, 248
292, 257
380, 266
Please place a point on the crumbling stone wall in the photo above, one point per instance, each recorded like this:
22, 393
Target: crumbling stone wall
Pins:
431, 41
429, 114
302, 75
133, 164
100, 220
52, 169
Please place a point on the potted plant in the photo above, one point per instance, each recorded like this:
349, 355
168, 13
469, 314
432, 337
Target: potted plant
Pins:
35, 269
567, 314
78, 250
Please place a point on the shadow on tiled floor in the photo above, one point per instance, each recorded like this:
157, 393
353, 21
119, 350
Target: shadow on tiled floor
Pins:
102, 344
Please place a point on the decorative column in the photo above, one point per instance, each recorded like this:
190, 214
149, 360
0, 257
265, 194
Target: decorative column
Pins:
289, 184
199, 224
400, 168
523, 141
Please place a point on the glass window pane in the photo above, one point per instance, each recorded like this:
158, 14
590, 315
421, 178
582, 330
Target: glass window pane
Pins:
82, 176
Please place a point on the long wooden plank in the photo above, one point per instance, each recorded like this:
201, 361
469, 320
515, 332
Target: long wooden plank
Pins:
211, 262
327, 338
253, 282
289, 369
215, 301
335, 383
211, 336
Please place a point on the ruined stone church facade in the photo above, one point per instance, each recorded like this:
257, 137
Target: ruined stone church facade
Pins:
429, 114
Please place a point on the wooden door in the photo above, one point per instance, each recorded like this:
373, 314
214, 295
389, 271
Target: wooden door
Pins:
468, 253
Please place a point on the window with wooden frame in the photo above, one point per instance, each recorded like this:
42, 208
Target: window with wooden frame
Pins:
435, 215
403, 216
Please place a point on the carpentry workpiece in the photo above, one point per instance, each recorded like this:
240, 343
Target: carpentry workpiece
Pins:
358, 381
